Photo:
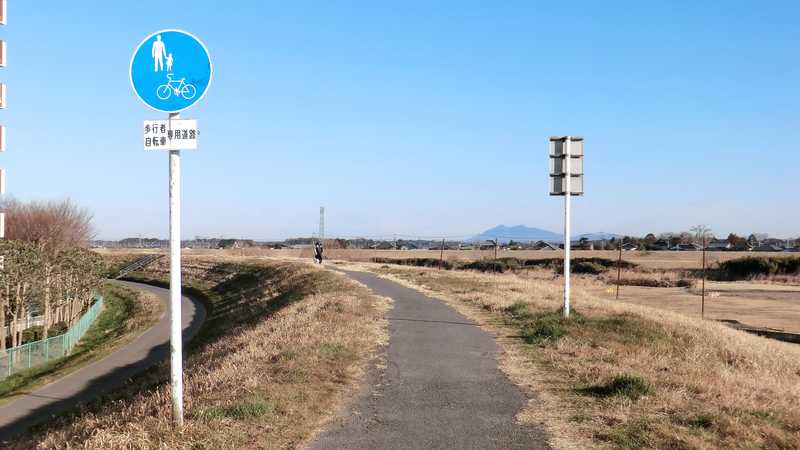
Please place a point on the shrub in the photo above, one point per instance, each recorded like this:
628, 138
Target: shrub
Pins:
630, 386
753, 266
588, 268
57, 328
579, 265
416, 262
32, 334
544, 329
492, 265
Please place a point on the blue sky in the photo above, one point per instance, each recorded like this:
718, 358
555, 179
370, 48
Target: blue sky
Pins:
417, 118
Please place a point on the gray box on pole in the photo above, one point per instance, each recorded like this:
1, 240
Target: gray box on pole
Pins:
557, 146
558, 185
558, 165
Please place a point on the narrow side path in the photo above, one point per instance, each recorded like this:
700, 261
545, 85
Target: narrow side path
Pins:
440, 387
102, 376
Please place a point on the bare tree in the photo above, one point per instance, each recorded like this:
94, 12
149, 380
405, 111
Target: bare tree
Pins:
53, 226
701, 233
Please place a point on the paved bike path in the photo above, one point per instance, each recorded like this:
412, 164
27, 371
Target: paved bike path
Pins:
440, 387
102, 376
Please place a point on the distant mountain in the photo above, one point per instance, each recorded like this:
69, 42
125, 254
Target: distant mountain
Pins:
598, 236
522, 233
519, 233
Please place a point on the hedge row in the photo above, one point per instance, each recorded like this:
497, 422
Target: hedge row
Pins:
752, 266
579, 265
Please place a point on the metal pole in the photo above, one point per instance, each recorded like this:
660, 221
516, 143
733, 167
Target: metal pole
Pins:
176, 343
567, 198
441, 255
619, 267
703, 301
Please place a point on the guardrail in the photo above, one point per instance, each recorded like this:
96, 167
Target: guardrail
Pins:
35, 353
138, 264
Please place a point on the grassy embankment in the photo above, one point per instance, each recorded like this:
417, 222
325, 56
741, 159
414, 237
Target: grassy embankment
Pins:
281, 345
621, 376
126, 314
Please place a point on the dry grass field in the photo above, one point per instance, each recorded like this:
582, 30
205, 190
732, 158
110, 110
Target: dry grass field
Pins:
765, 305
619, 375
755, 303
650, 260
283, 342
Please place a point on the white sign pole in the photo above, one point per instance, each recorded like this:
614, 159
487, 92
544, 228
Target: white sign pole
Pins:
176, 341
567, 242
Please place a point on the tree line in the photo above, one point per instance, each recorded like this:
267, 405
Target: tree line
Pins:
47, 269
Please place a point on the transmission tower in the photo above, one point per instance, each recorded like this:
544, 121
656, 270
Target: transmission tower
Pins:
322, 225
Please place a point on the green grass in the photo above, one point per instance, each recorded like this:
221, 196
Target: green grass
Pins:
634, 434
120, 306
336, 352
629, 386
542, 327
538, 328
240, 409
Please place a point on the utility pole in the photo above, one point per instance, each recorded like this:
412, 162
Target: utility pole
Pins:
619, 267
703, 289
441, 255
322, 225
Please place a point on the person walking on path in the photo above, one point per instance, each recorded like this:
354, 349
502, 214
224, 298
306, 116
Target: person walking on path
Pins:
318, 252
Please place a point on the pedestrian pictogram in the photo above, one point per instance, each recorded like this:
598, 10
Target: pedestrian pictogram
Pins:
170, 70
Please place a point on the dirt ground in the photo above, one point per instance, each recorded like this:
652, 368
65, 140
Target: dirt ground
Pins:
755, 304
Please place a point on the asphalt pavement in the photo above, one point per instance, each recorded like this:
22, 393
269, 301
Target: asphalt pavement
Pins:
100, 377
436, 386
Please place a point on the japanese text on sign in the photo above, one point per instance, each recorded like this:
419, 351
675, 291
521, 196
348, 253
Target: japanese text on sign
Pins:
177, 134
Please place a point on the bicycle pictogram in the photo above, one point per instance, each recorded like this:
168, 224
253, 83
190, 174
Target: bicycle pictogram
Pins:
177, 87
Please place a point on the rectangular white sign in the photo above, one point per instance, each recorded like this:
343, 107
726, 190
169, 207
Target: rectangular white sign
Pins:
558, 185
177, 134
558, 149
558, 166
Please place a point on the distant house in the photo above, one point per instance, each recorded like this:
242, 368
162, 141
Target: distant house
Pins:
719, 245
768, 248
542, 245
487, 245
439, 247
776, 242
406, 245
383, 245
686, 247
661, 244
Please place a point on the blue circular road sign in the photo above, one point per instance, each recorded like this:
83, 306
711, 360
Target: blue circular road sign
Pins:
170, 70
